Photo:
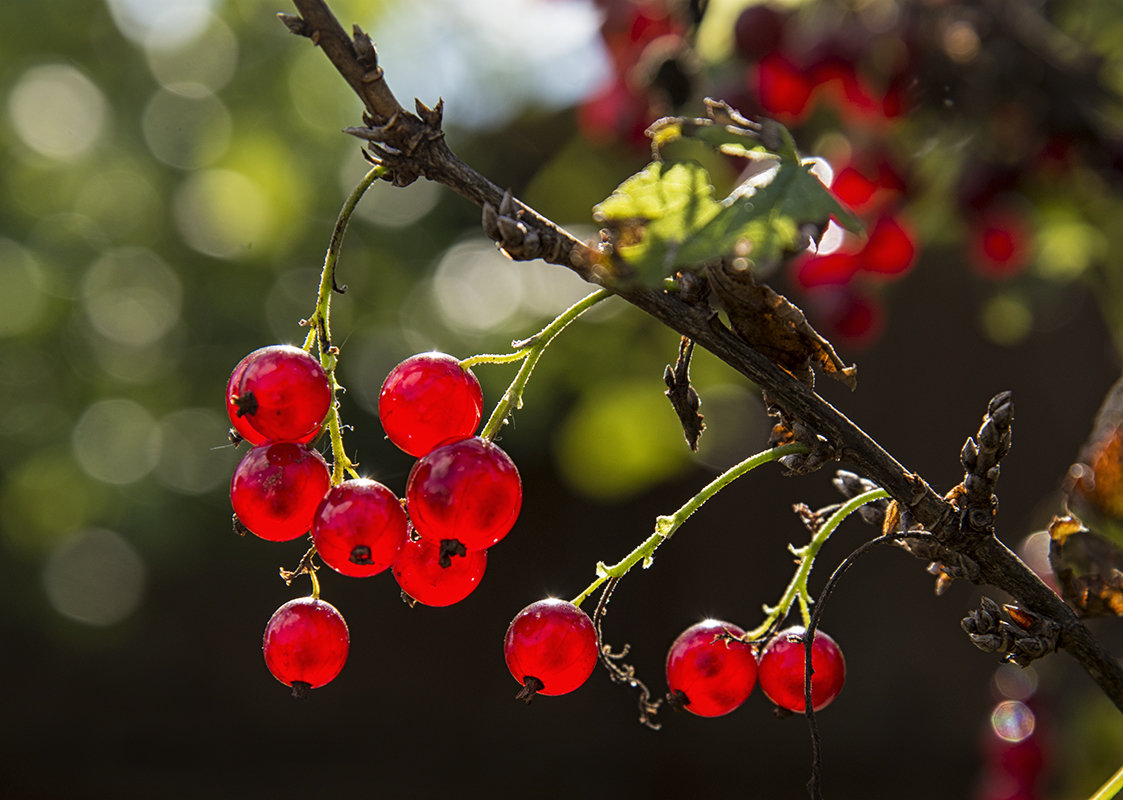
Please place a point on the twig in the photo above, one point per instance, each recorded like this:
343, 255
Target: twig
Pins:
412, 146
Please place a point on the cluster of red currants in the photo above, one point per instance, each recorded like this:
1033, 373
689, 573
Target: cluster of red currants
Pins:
463, 494
551, 648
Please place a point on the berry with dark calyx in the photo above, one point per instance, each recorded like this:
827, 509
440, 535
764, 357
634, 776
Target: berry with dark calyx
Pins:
782, 665
305, 644
281, 392
359, 528
276, 489
433, 577
550, 648
428, 399
709, 669
467, 490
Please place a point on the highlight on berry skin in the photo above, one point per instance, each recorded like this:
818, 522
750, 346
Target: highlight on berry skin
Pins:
710, 672
550, 648
305, 644
782, 663
428, 574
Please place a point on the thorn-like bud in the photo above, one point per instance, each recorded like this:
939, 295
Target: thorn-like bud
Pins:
294, 23
969, 456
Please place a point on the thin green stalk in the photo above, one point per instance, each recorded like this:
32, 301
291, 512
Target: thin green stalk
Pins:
665, 526
320, 322
797, 589
529, 354
1111, 788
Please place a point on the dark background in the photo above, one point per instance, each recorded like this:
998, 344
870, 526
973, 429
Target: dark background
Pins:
171, 698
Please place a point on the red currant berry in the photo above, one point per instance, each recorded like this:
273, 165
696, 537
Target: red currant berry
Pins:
305, 644
550, 648
890, 249
428, 399
758, 31
435, 579
282, 392
781, 670
709, 674
276, 489
467, 490
359, 528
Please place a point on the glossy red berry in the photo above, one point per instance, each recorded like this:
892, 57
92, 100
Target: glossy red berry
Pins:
276, 488
420, 574
709, 673
781, 669
467, 490
550, 648
359, 528
305, 644
281, 392
428, 399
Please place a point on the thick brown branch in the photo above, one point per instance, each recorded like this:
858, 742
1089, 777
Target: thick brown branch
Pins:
396, 131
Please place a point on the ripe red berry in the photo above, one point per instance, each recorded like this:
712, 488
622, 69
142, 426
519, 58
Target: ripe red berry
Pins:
467, 490
359, 528
280, 392
781, 669
890, 249
714, 674
782, 87
550, 648
421, 576
276, 488
428, 399
305, 644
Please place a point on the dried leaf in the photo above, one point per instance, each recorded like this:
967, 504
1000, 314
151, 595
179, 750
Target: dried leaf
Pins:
684, 398
775, 327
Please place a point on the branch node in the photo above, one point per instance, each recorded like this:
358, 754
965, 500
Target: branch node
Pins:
1020, 635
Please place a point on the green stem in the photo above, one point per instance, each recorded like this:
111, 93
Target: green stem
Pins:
529, 353
1111, 788
797, 589
320, 323
666, 526
315, 584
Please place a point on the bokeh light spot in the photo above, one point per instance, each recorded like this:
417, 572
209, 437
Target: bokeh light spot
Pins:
476, 288
161, 23
1006, 319
1012, 721
195, 455
57, 111
116, 441
95, 577
222, 213
186, 131
208, 60
131, 296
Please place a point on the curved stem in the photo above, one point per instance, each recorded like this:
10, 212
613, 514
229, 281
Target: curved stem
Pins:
315, 584
320, 322
530, 351
797, 588
666, 526
1110, 789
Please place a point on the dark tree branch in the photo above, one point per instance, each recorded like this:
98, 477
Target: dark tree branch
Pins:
413, 145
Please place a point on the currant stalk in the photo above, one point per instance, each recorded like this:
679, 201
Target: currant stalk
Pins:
320, 322
665, 526
797, 588
528, 351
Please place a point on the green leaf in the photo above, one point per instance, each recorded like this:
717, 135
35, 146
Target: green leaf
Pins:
666, 217
655, 212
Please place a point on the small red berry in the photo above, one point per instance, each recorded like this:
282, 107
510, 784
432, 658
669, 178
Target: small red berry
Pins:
240, 422
550, 648
276, 488
305, 644
359, 528
710, 674
782, 87
782, 666
467, 490
758, 31
890, 249
281, 392
428, 399
422, 576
